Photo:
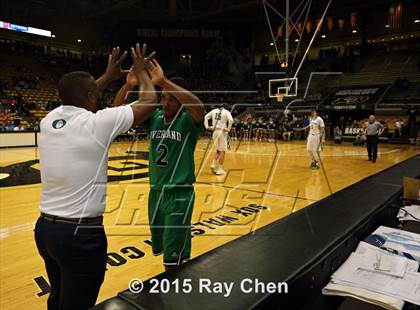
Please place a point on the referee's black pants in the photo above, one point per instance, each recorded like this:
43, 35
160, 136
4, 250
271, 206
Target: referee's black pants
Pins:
372, 146
75, 258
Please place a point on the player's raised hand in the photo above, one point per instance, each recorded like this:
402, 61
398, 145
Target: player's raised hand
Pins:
156, 72
140, 61
113, 69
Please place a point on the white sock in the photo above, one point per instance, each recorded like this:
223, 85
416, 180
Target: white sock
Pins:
220, 167
214, 163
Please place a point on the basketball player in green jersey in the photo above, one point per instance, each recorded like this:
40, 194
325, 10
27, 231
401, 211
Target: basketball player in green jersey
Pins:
173, 132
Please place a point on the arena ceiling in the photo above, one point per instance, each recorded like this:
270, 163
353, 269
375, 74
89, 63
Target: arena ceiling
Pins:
246, 11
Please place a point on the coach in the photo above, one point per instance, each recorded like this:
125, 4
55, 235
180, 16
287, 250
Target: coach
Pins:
373, 130
73, 144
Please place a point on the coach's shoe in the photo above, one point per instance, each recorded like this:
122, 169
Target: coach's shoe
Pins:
220, 171
373, 160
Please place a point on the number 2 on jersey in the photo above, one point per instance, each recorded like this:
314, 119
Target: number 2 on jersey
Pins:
163, 152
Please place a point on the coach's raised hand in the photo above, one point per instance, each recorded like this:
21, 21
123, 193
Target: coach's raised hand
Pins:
146, 103
131, 80
113, 69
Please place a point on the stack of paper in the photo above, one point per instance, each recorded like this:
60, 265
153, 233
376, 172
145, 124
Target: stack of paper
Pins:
409, 213
378, 277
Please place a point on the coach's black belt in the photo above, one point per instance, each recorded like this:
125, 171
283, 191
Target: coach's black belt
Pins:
85, 220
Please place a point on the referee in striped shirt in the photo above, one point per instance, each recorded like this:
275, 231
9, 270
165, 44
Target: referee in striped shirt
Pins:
373, 129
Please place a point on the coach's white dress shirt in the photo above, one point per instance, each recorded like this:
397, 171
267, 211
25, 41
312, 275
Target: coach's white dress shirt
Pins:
73, 145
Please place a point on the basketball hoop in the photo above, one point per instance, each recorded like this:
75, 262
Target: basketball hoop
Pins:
280, 97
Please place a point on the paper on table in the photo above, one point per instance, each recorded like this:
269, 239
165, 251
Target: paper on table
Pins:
412, 265
397, 264
384, 301
407, 213
406, 288
404, 242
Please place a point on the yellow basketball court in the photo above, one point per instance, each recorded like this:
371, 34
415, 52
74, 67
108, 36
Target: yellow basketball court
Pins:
265, 182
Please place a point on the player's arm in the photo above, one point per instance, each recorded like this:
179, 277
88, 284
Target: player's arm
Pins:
144, 106
322, 130
206, 120
191, 102
130, 84
113, 69
230, 121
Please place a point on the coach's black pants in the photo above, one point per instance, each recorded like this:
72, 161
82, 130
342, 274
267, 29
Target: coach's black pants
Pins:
372, 146
75, 258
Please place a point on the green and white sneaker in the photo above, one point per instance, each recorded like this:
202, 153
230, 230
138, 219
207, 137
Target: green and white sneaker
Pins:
315, 166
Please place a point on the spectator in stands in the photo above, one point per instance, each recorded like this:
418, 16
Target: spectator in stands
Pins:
385, 131
287, 130
338, 135
7, 119
298, 131
360, 138
399, 127
411, 117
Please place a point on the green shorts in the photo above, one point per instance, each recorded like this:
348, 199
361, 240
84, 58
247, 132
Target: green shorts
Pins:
170, 223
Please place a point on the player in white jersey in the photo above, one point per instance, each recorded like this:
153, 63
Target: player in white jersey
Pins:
221, 124
315, 138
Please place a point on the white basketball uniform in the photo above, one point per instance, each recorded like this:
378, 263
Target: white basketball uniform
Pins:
314, 136
221, 119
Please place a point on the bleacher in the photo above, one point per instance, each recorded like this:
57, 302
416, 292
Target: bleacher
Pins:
45, 91
381, 68
376, 68
410, 96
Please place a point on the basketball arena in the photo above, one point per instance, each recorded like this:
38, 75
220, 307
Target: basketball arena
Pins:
180, 154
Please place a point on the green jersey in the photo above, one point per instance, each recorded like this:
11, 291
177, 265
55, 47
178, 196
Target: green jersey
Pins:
171, 150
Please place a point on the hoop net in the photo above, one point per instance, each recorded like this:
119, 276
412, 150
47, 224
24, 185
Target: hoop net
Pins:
280, 97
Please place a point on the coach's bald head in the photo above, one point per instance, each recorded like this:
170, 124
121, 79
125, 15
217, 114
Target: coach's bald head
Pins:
79, 89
